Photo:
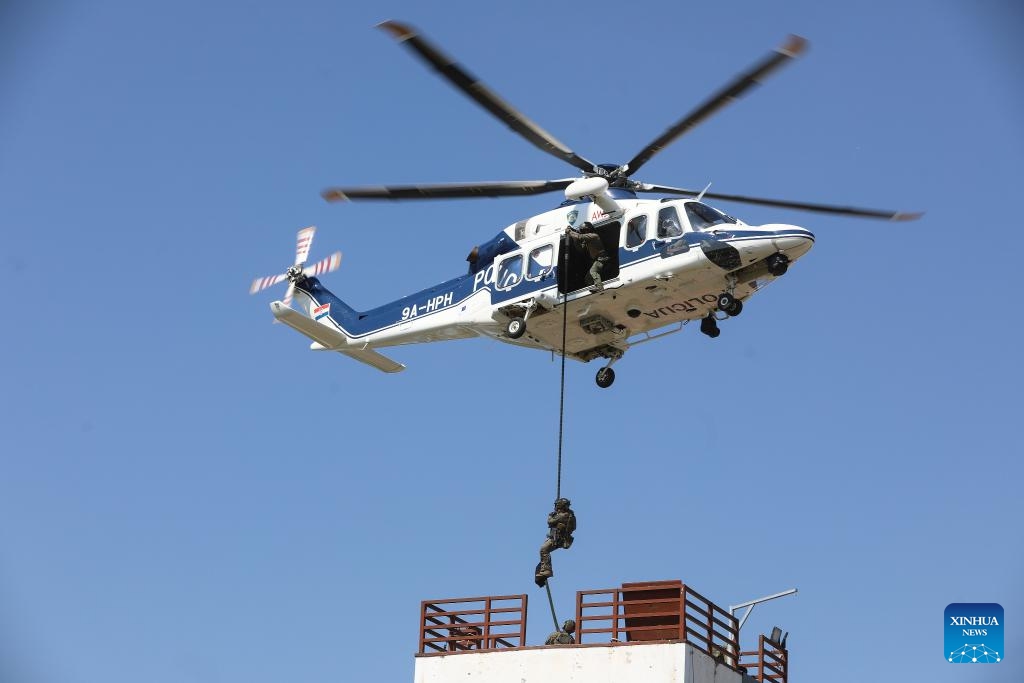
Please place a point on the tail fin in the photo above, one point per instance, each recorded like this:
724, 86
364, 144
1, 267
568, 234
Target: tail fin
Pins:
320, 302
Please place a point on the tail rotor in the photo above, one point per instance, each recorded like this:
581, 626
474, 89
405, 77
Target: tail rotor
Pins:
299, 270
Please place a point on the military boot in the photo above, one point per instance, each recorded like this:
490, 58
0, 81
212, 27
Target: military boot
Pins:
542, 573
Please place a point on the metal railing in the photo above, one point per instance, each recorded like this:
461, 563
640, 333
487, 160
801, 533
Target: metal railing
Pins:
770, 662
658, 611
466, 624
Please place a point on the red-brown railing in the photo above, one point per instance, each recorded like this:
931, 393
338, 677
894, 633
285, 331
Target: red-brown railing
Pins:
657, 611
770, 662
464, 624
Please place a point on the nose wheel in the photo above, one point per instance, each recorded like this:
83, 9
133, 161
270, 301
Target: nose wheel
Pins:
729, 304
727, 301
605, 377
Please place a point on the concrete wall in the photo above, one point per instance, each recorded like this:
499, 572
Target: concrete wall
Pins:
642, 663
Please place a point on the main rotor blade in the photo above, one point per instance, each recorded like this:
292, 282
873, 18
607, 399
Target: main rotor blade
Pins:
484, 96
786, 204
732, 91
511, 188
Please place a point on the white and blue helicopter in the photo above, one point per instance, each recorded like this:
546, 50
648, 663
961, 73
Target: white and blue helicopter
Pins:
669, 260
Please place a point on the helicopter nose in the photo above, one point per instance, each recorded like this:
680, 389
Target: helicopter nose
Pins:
795, 242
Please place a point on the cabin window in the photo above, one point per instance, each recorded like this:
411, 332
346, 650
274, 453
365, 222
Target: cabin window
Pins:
702, 216
636, 232
510, 272
668, 223
541, 261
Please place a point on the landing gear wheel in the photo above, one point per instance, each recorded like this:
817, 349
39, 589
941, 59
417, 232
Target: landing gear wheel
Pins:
605, 377
735, 309
709, 326
726, 301
515, 328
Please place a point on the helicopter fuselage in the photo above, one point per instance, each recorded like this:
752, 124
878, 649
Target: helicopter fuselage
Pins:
669, 261
660, 263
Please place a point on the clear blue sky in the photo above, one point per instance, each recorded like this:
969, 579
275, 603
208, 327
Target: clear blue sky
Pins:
188, 494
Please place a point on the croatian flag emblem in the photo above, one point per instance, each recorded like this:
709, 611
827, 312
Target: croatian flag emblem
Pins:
321, 311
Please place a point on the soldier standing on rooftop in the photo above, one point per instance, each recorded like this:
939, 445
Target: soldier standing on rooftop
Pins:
564, 636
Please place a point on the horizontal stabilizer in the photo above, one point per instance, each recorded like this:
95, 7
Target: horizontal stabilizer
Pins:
373, 358
326, 336
330, 338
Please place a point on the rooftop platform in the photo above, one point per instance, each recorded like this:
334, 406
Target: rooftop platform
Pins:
657, 631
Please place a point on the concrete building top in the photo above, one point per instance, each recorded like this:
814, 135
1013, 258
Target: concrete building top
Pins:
607, 663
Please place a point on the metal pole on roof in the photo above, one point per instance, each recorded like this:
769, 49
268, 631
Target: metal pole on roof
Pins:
749, 604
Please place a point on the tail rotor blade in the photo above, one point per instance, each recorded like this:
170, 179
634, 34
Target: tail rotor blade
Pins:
304, 240
327, 265
261, 283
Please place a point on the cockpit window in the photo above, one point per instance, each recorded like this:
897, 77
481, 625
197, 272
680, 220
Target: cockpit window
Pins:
636, 232
703, 216
668, 223
540, 262
510, 271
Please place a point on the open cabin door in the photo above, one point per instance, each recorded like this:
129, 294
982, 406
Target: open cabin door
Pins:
577, 276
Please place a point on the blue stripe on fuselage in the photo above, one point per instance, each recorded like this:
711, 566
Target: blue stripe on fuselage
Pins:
362, 323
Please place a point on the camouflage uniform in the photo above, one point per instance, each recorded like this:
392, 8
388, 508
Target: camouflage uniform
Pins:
561, 524
563, 637
468, 638
590, 242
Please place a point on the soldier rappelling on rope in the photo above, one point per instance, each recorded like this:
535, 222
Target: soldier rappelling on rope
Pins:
561, 524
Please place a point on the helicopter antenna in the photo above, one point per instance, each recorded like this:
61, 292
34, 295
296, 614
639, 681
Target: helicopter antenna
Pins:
701, 195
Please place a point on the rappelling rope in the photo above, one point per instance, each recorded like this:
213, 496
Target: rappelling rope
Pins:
561, 399
547, 585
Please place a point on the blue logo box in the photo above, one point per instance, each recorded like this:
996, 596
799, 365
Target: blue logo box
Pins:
973, 633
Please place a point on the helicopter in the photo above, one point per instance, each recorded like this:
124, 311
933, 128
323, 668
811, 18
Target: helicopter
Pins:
667, 261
